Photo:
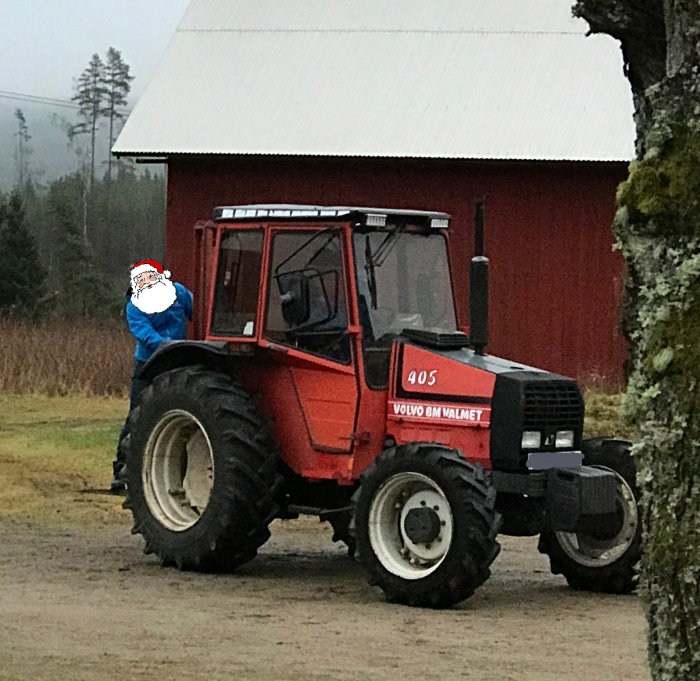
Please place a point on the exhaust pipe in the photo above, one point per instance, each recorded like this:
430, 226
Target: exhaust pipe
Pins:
479, 286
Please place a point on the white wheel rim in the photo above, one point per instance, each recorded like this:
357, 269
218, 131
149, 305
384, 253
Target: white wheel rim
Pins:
178, 470
390, 542
595, 553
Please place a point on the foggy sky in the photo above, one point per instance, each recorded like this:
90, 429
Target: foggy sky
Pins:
46, 44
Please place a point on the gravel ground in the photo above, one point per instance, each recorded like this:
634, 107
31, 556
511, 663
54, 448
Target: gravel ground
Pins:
84, 602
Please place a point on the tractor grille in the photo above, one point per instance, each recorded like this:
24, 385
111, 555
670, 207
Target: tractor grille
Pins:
552, 406
531, 400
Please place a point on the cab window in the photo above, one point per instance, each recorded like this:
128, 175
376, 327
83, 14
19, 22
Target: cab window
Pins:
237, 283
306, 306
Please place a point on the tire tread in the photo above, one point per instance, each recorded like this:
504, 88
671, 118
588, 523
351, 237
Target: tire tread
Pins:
476, 496
235, 523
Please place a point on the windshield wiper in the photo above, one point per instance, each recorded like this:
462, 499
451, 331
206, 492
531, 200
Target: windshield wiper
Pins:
371, 279
388, 243
379, 258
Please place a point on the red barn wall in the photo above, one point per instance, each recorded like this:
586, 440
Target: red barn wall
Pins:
555, 282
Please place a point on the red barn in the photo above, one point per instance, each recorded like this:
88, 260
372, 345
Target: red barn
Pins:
402, 103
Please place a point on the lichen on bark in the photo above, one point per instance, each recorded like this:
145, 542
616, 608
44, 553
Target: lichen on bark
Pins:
657, 229
665, 184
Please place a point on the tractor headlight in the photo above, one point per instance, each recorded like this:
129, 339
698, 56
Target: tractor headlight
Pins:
531, 439
564, 439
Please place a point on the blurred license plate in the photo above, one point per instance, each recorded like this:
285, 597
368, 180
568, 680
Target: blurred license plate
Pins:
541, 461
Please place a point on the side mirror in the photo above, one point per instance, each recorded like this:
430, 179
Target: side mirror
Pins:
294, 295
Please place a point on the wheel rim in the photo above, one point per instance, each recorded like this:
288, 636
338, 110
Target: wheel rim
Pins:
593, 552
178, 470
404, 546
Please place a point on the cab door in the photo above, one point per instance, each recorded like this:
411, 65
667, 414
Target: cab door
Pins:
311, 374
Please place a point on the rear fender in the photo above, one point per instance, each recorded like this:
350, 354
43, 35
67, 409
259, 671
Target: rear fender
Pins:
214, 355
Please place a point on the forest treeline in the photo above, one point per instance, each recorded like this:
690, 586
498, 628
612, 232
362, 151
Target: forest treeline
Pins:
66, 247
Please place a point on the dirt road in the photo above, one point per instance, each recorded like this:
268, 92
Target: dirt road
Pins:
86, 603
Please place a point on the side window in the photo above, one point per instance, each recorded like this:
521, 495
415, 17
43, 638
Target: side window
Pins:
306, 305
237, 283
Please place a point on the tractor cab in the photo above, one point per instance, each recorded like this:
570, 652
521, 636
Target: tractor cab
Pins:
323, 293
332, 276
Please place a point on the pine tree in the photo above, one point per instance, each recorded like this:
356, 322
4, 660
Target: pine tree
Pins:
22, 277
22, 150
90, 95
83, 290
117, 84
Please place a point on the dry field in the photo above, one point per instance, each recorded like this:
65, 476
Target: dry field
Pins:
65, 358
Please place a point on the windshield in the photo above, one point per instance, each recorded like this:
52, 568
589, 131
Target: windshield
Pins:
403, 281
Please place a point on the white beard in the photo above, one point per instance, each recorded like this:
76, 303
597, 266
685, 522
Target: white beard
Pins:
156, 298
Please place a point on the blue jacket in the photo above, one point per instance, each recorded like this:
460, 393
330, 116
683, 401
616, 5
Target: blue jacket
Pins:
150, 330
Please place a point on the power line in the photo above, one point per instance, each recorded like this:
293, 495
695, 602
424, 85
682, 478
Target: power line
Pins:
35, 99
49, 101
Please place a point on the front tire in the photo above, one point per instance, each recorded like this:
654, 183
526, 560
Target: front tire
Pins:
202, 471
425, 525
602, 563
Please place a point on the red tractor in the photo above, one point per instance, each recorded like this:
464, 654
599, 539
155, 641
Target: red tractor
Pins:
332, 379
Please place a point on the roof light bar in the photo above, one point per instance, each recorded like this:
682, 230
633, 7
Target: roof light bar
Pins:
238, 213
377, 218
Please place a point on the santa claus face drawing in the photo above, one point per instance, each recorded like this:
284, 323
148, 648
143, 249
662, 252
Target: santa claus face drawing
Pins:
152, 291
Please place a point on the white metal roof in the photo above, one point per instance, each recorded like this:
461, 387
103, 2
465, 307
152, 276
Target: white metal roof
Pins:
484, 79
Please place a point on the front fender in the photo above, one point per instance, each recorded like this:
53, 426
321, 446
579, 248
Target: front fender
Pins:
598, 446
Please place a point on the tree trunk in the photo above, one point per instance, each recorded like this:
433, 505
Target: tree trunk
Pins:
657, 227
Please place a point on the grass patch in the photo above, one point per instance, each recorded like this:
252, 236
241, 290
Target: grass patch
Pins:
54, 449
603, 415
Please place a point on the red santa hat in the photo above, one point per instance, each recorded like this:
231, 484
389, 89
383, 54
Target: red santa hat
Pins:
149, 265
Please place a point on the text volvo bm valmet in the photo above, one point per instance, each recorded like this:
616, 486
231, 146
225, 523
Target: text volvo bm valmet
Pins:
331, 378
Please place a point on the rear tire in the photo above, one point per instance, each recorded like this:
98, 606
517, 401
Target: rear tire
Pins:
425, 525
202, 471
602, 564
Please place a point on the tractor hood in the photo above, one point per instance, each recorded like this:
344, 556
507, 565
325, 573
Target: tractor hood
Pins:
439, 365
442, 386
